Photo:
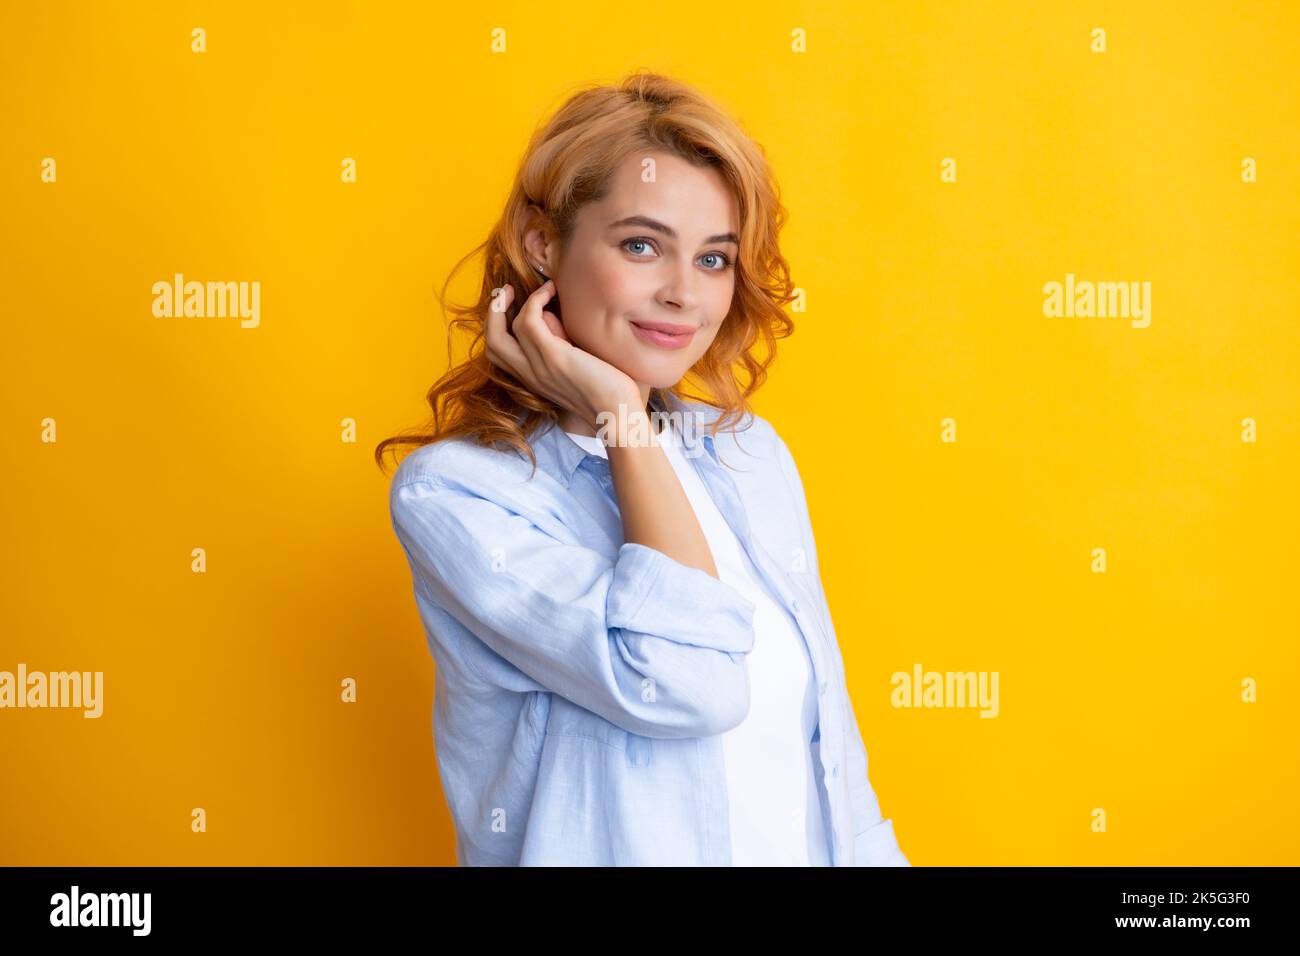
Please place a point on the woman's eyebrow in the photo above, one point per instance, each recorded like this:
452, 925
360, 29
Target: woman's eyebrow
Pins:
668, 231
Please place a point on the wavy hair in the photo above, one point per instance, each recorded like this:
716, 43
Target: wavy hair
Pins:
569, 162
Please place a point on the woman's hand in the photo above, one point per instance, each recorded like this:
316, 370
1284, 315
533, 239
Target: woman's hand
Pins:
542, 357
654, 508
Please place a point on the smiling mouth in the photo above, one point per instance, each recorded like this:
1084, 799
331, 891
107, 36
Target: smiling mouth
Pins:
664, 336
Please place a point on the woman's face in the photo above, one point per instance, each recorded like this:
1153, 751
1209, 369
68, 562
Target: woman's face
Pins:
650, 255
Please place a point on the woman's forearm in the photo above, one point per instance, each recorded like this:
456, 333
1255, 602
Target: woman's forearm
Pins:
656, 511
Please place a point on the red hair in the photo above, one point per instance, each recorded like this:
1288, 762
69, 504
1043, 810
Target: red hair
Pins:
569, 162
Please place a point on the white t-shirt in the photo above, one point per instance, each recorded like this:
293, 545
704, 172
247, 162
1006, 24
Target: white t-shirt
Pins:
775, 812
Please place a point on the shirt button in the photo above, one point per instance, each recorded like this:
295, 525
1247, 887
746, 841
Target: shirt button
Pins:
794, 606
821, 688
835, 770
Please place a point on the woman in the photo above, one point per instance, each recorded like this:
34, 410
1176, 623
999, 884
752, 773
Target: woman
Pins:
635, 661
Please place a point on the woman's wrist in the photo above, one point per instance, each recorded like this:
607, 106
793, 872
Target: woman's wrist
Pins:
626, 424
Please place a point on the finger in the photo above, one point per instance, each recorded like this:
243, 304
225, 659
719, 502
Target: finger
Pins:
544, 329
532, 306
503, 349
502, 297
531, 330
556, 326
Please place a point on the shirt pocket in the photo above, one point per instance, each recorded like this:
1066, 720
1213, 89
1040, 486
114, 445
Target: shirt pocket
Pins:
781, 533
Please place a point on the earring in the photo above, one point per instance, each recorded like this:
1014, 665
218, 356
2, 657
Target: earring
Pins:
539, 269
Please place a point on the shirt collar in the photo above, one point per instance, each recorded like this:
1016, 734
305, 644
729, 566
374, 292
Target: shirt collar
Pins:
561, 456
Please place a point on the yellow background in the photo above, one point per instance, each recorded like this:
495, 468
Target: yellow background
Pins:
1118, 690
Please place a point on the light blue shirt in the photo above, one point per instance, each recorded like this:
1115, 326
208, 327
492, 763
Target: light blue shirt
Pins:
582, 682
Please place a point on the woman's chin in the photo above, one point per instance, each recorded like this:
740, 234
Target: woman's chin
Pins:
654, 374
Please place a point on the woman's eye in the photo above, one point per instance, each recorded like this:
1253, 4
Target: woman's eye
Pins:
632, 245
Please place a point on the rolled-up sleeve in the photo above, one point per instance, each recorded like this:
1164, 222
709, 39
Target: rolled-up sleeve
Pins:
649, 644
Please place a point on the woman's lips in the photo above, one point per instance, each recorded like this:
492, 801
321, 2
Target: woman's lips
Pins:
665, 335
